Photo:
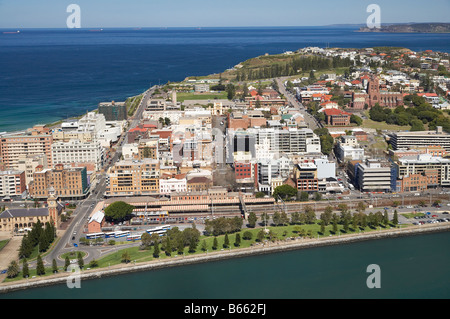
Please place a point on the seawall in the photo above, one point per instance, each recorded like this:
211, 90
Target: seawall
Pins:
279, 246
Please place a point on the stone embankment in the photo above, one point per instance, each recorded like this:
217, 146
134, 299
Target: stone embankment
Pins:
266, 248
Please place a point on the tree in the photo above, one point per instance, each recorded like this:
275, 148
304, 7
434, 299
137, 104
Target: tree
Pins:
310, 215
66, 263
335, 220
252, 219
25, 269
126, 257
237, 241
285, 192
54, 266
203, 246
13, 269
260, 236
80, 260
395, 218
93, 263
276, 218
356, 119
40, 269
156, 250
385, 218
118, 211
304, 196
146, 240
226, 241
326, 215
215, 243
247, 235
322, 227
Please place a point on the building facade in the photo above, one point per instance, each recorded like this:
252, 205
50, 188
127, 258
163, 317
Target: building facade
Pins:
12, 183
134, 177
70, 183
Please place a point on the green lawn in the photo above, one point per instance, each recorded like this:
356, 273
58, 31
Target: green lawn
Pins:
3, 243
280, 232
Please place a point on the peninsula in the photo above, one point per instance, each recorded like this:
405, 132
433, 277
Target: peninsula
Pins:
411, 28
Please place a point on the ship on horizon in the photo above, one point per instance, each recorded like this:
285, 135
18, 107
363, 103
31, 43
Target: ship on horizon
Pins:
11, 32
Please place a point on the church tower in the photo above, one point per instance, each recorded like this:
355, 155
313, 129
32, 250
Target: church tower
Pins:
373, 91
53, 207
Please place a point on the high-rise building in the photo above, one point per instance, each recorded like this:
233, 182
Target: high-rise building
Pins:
35, 141
113, 111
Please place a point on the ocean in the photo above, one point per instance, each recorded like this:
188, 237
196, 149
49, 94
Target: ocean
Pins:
413, 267
52, 74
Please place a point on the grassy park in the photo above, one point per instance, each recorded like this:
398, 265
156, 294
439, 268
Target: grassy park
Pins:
205, 244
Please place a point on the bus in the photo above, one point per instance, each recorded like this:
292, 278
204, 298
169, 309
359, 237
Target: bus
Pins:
134, 237
95, 235
160, 232
121, 234
156, 229
110, 234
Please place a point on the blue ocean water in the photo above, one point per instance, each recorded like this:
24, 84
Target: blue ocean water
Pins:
414, 267
50, 74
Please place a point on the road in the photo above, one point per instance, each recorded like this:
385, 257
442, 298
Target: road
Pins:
86, 207
311, 122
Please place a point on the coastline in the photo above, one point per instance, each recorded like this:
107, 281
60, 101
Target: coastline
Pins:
276, 247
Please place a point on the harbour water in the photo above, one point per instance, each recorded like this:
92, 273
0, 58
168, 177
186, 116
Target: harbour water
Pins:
414, 267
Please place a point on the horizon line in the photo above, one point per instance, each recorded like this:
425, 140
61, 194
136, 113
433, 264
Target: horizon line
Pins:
231, 26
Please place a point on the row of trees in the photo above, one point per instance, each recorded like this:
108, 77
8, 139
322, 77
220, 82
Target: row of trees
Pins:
175, 240
344, 217
416, 114
38, 236
292, 67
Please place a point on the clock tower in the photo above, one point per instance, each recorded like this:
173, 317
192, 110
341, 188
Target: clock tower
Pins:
53, 207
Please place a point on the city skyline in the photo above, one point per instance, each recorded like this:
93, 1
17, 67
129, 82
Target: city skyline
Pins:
200, 13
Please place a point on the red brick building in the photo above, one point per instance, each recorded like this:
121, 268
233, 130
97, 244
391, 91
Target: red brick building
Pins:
337, 117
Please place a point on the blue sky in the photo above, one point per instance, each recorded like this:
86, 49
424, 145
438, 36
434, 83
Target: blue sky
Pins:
213, 13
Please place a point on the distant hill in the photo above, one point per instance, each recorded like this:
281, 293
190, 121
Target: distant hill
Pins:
411, 28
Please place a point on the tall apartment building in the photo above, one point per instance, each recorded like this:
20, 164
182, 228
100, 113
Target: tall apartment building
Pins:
12, 183
78, 153
113, 111
134, 177
290, 141
375, 176
35, 141
70, 183
403, 140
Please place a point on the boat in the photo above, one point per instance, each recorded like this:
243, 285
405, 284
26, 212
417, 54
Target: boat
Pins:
11, 32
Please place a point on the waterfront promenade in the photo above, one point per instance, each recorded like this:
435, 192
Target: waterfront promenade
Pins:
269, 247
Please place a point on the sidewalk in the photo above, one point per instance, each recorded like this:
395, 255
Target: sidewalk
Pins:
9, 252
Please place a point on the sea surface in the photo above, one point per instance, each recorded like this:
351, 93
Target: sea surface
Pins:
414, 267
51, 74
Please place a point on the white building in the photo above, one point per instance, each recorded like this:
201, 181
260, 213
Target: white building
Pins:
325, 168
172, 185
75, 151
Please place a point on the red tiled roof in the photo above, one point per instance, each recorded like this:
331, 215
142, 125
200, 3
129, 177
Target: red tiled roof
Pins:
331, 112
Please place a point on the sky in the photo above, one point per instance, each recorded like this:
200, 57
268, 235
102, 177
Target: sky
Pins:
213, 13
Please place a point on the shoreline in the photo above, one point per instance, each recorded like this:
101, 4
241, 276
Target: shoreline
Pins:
276, 247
